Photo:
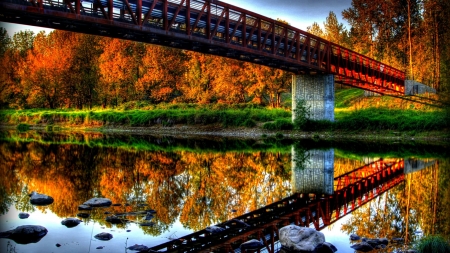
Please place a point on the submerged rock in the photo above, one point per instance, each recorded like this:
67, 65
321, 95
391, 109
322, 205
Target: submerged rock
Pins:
354, 237
300, 238
138, 247
325, 247
24, 215
147, 224
70, 222
214, 229
84, 208
113, 219
103, 236
362, 246
83, 215
40, 199
25, 234
252, 245
98, 202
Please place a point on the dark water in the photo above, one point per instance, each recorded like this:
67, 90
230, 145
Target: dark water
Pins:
195, 183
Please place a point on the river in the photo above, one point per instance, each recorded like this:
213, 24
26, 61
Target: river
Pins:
190, 184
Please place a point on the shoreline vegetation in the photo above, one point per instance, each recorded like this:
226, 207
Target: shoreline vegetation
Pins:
242, 121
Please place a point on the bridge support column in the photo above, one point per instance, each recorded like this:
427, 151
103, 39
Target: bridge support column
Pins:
318, 93
312, 171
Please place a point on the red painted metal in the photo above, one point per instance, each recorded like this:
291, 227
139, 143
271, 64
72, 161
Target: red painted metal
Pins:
210, 26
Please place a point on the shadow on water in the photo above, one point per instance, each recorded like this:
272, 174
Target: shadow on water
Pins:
191, 184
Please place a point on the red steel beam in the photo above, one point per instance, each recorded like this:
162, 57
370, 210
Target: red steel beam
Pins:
288, 47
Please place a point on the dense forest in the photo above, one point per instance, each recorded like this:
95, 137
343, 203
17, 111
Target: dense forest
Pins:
69, 70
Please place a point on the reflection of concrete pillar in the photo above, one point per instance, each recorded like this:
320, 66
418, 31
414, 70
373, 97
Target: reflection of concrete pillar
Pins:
313, 171
318, 93
413, 165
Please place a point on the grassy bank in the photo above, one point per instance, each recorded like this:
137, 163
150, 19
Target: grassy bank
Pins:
230, 117
370, 119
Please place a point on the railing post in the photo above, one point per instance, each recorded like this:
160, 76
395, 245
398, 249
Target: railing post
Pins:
139, 12
110, 10
188, 17
165, 16
77, 7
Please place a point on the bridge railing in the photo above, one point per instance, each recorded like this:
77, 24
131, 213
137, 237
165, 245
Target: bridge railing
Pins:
213, 27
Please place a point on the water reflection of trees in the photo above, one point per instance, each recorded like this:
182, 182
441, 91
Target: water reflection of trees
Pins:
200, 188
421, 204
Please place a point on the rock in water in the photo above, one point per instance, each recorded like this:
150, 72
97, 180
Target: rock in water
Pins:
84, 208
252, 245
300, 238
362, 246
103, 236
214, 229
98, 202
40, 199
83, 215
25, 234
354, 237
113, 219
70, 222
138, 247
325, 247
24, 215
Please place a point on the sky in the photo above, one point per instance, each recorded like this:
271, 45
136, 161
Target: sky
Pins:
298, 13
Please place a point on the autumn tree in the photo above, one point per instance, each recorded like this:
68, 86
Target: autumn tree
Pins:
163, 73
118, 71
44, 71
83, 78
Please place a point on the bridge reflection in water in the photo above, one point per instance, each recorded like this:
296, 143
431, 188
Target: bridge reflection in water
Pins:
320, 200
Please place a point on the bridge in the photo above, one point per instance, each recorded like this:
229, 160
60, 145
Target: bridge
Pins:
214, 27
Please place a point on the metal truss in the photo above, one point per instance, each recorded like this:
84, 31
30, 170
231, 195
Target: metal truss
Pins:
212, 27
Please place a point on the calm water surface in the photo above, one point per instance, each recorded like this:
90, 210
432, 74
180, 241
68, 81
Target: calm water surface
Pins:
196, 183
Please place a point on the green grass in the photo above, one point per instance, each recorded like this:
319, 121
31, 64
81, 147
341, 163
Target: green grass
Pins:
433, 243
371, 119
228, 117
345, 97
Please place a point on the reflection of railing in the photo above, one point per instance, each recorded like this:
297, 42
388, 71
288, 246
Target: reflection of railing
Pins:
210, 27
353, 190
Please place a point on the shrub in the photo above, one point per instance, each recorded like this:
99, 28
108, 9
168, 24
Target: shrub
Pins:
23, 127
301, 113
433, 243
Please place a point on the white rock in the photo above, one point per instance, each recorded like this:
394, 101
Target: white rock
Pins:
297, 238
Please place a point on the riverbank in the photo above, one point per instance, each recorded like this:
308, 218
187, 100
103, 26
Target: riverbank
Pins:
257, 132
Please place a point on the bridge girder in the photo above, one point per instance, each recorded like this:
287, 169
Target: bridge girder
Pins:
210, 27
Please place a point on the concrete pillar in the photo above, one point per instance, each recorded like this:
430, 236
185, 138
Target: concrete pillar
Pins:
318, 93
313, 171
413, 88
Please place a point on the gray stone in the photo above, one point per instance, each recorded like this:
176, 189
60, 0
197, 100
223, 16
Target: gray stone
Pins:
300, 238
70, 222
103, 236
354, 237
138, 247
325, 247
84, 208
25, 234
24, 215
362, 246
214, 229
252, 245
98, 202
40, 199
